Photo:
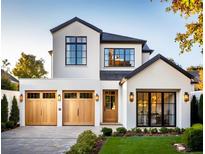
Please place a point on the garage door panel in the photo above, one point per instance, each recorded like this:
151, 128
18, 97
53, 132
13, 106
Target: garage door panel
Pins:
41, 108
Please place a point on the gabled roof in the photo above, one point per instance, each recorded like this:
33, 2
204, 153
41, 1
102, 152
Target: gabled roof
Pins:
113, 75
73, 20
11, 77
115, 38
151, 61
146, 49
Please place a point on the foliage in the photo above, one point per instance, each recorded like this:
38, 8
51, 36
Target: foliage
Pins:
6, 84
153, 130
193, 137
85, 143
29, 67
145, 130
163, 130
194, 30
121, 130
106, 131
14, 115
5, 65
10, 124
137, 130
3, 126
200, 110
194, 110
199, 70
4, 109
177, 130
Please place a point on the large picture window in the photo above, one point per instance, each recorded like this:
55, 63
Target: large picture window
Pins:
156, 109
76, 50
119, 57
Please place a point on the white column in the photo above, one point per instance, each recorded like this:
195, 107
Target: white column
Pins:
59, 109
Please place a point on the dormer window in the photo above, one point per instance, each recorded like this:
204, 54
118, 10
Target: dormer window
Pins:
119, 57
76, 50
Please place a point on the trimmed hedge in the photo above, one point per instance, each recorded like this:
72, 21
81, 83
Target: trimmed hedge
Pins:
106, 131
85, 143
121, 130
193, 137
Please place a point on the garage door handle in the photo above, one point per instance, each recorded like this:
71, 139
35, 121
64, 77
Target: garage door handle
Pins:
78, 112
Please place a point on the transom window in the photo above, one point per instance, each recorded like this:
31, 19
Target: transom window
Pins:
33, 95
49, 95
156, 109
119, 57
76, 50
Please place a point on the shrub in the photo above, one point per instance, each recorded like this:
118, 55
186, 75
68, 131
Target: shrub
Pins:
177, 130
197, 126
106, 131
145, 130
200, 109
194, 110
193, 138
4, 109
14, 115
121, 130
163, 130
10, 124
3, 126
6, 84
154, 130
85, 143
137, 130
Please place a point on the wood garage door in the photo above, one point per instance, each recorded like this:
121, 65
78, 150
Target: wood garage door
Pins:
41, 108
78, 107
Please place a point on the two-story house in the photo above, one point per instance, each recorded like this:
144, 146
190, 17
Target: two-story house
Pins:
103, 78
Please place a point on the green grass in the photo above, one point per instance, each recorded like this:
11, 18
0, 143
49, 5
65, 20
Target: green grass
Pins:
142, 145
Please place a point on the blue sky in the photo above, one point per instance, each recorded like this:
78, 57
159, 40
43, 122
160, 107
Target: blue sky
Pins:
26, 25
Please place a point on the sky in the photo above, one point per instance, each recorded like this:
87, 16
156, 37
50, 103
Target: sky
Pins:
26, 26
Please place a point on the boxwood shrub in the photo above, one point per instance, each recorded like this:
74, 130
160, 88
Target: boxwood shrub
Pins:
193, 137
121, 130
10, 124
163, 130
106, 131
85, 143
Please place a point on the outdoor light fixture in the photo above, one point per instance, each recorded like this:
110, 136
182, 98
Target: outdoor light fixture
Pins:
97, 97
59, 97
21, 98
131, 97
186, 96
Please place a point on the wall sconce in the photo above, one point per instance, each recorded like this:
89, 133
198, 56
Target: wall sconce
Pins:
97, 97
21, 98
186, 96
131, 97
59, 97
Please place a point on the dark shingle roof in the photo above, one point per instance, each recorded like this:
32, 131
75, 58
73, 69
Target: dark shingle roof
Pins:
115, 38
146, 49
11, 78
154, 59
73, 20
113, 75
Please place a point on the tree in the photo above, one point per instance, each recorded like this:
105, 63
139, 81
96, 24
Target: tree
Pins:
200, 110
5, 65
4, 109
172, 60
199, 70
194, 111
29, 67
6, 84
194, 30
14, 115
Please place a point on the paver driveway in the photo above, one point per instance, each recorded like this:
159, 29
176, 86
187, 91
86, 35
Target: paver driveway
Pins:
42, 139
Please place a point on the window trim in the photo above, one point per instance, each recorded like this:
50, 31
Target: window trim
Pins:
162, 107
75, 51
124, 57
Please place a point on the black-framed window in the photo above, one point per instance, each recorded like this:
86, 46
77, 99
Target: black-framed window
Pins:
76, 50
120, 57
156, 109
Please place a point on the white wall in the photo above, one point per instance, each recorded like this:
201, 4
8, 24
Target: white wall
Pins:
9, 95
91, 70
160, 75
145, 57
138, 55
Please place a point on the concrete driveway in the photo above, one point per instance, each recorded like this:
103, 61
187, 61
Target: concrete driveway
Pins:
42, 139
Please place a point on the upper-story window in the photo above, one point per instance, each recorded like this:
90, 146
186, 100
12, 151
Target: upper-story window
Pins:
123, 57
76, 50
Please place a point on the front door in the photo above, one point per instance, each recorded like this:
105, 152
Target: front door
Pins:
110, 106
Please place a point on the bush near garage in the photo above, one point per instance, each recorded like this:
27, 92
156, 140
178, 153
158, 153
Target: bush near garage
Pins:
85, 143
106, 131
14, 115
4, 109
3, 126
120, 131
193, 137
10, 124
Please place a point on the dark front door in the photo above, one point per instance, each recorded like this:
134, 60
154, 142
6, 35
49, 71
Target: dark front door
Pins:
156, 109
110, 105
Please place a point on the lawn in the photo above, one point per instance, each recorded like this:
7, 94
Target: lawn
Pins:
142, 145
